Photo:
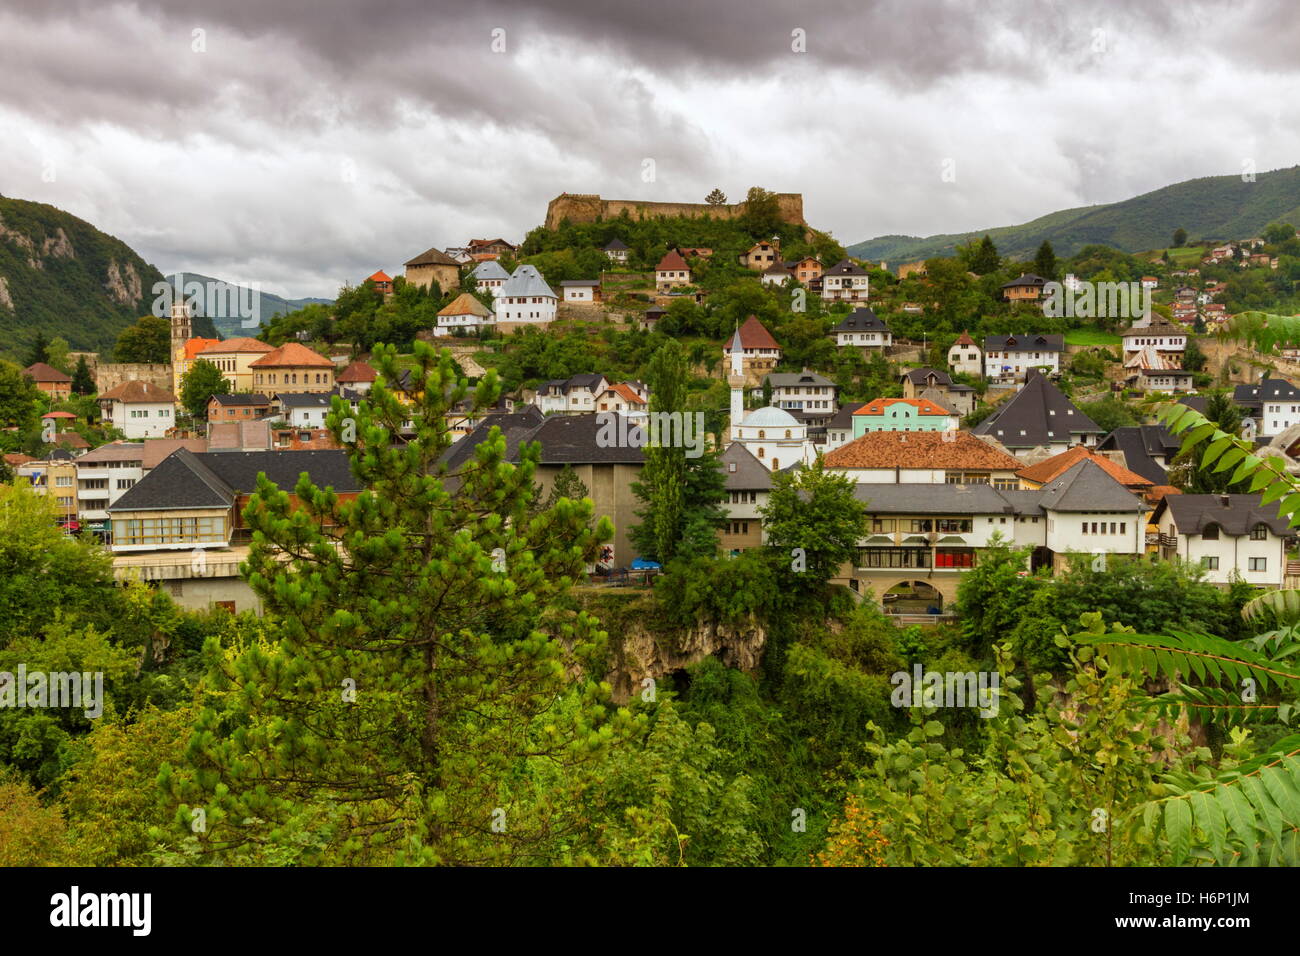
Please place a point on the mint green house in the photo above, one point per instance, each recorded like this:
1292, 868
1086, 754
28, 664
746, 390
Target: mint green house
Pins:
902, 415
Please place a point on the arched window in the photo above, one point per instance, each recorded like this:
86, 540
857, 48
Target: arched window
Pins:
787, 433
761, 433
776, 463
760, 452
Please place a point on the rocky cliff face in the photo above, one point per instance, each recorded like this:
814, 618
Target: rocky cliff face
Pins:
637, 652
61, 276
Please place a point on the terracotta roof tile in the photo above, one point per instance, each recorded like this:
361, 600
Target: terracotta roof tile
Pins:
1051, 468
920, 450
291, 355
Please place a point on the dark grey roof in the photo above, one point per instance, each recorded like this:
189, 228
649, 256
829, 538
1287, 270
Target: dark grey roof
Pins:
930, 499
587, 380
514, 426
1027, 278
1042, 412
1140, 445
861, 320
1038, 342
844, 417
303, 399
1087, 488
792, 379
845, 267
1270, 389
743, 471
185, 479
918, 376
1022, 502
1235, 514
576, 439
615, 244
241, 399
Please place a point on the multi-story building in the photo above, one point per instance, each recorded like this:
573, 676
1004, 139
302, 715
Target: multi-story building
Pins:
748, 484
759, 352
489, 276
433, 267
672, 272
234, 358
965, 356
526, 299
103, 476
807, 394
293, 367
573, 395
928, 458
1039, 416
903, 415
1273, 404
846, 281
1008, 358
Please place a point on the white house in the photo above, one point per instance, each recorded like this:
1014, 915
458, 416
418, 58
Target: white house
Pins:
490, 276
1159, 334
302, 409
616, 250
863, 329
804, 391
1274, 404
845, 282
965, 356
775, 274
139, 409
573, 395
1226, 535
581, 290
526, 298
1088, 511
672, 272
1008, 357
463, 312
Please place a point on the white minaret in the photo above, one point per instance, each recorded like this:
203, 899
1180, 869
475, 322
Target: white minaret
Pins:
737, 382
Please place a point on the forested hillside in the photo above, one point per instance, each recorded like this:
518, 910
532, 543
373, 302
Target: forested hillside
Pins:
1214, 207
62, 276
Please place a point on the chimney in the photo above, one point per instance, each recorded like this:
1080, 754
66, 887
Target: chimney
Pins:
1225, 501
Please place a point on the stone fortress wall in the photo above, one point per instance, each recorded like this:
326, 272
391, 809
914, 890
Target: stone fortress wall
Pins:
588, 207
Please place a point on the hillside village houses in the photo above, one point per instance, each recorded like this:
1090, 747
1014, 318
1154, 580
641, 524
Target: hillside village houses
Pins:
759, 352
1150, 370
672, 272
1008, 358
292, 366
938, 387
965, 356
573, 395
805, 394
1273, 405
1024, 288
616, 249
862, 329
846, 281
1227, 535
584, 291
234, 358
1159, 333
139, 409
465, 312
761, 256
525, 299
1039, 416
242, 406
357, 376
50, 380
433, 267
489, 276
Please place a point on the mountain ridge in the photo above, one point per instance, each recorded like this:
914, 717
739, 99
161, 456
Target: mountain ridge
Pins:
1208, 207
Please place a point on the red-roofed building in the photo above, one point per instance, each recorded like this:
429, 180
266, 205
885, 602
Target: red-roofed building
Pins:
672, 272
292, 368
622, 398
383, 282
50, 380
965, 356
759, 352
358, 376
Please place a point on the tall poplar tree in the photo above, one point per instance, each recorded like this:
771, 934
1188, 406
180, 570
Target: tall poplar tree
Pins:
422, 700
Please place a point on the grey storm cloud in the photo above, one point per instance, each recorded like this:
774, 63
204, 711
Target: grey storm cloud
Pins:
315, 140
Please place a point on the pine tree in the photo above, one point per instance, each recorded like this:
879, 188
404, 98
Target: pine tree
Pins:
82, 381
716, 198
567, 484
985, 258
1180, 237
40, 351
1045, 261
417, 703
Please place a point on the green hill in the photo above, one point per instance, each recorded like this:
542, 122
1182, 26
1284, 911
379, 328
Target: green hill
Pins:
1215, 207
62, 276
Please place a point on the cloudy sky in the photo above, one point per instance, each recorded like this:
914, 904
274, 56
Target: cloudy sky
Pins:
304, 143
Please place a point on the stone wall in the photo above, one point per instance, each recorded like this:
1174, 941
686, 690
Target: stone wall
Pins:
588, 207
111, 376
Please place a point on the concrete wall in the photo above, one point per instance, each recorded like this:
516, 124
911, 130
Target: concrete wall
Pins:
588, 207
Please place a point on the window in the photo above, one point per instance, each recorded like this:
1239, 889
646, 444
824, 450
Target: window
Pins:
1259, 564
1210, 563
1259, 532
1211, 532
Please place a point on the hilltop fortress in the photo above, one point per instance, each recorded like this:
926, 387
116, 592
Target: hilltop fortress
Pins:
587, 207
